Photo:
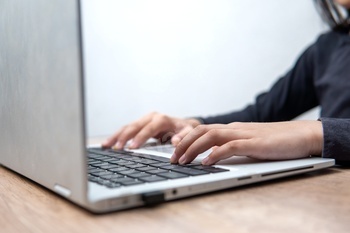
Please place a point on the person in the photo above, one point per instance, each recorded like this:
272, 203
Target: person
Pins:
264, 130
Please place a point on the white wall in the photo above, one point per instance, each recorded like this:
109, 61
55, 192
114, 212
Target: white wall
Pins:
187, 57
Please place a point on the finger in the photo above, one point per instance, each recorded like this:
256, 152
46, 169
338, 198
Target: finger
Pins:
213, 137
241, 147
150, 130
127, 134
112, 140
131, 130
187, 141
175, 140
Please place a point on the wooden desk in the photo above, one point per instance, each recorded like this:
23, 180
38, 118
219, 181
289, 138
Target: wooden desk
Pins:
314, 202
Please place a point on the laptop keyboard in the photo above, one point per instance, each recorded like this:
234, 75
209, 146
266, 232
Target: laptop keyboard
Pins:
115, 169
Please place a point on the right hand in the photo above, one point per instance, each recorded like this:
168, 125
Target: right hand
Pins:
153, 125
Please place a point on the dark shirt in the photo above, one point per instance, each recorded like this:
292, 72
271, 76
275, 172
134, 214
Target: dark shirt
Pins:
320, 77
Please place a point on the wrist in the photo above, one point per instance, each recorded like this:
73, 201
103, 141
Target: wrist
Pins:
194, 122
316, 138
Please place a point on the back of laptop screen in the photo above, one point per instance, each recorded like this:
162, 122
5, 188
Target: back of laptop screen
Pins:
41, 94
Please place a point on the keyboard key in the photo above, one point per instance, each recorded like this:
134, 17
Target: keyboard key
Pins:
152, 178
159, 164
157, 171
133, 159
93, 169
135, 182
93, 178
128, 171
103, 158
124, 162
161, 159
170, 166
121, 152
108, 166
148, 161
116, 177
118, 169
124, 179
97, 172
111, 160
135, 165
144, 169
98, 164
138, 175
146, 156
113, 185
173, 175
154, 157
99, 151
105, 174
190, 171
129, 181
104, 182
94, 156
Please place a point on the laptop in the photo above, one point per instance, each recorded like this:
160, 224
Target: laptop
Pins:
42, 129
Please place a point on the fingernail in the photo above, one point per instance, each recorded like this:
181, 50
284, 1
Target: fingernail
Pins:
118, 146
173, 158
182, 160
206, 161
133, 145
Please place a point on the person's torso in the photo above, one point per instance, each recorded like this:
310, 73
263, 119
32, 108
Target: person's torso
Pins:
332, 74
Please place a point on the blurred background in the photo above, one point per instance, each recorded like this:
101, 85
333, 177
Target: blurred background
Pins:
187, 57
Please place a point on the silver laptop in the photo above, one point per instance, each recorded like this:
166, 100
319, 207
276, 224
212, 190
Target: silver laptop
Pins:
42, 124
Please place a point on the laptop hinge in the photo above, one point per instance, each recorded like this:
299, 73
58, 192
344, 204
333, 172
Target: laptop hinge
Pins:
153, 198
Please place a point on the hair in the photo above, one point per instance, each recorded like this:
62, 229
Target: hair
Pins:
336, 16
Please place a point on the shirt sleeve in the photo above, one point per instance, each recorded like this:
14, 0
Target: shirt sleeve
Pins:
336, 139
290, 96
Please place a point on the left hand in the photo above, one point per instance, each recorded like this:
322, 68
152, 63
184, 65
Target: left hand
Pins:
267, 141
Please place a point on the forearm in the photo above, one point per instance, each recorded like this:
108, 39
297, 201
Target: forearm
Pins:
245, 115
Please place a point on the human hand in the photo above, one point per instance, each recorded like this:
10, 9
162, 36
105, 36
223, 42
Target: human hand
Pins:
267, 141
155, 125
